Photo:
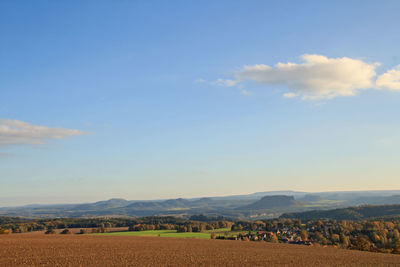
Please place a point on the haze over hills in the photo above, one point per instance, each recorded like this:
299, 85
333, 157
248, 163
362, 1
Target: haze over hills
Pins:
257, 205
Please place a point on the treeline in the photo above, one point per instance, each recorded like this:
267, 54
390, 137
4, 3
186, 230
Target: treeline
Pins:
188, 226
21, 225
376, 236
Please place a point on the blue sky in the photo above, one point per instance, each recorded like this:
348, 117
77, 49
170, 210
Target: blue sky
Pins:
152, 99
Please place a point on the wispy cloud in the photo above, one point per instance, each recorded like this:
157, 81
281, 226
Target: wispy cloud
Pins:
246, 92
14, 132
219, 82
225, 82
290, 95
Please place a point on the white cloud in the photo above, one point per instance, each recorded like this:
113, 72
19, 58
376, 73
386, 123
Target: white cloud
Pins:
14, 132
390, 80
316, 77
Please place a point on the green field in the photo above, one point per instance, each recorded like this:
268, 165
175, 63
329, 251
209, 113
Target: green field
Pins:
168, 233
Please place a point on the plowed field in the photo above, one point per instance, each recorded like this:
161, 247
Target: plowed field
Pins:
89, 250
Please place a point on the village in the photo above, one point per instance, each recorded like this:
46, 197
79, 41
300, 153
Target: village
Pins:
283, 235
376, 236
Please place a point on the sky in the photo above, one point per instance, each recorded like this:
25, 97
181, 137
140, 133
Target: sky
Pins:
168, 99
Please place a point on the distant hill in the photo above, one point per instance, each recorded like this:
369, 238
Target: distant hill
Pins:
272, 202
378, 200
260, 205
352, 213
106, 204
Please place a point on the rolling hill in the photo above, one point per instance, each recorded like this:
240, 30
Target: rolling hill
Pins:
351, 213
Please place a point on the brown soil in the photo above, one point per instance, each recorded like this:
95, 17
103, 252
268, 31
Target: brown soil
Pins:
88, 250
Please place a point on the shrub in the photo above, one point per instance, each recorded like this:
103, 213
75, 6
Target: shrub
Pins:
50, 232
362, 243
65, 232
4, 231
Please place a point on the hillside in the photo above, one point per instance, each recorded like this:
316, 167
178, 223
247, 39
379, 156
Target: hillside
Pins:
352, 213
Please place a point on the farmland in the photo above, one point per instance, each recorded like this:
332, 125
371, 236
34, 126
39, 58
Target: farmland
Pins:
161, 233
111, 250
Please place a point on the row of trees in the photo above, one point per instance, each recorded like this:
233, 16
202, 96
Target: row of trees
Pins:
18, 225
21, 225
188, 226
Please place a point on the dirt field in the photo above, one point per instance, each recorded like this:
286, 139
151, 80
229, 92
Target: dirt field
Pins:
88, 250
